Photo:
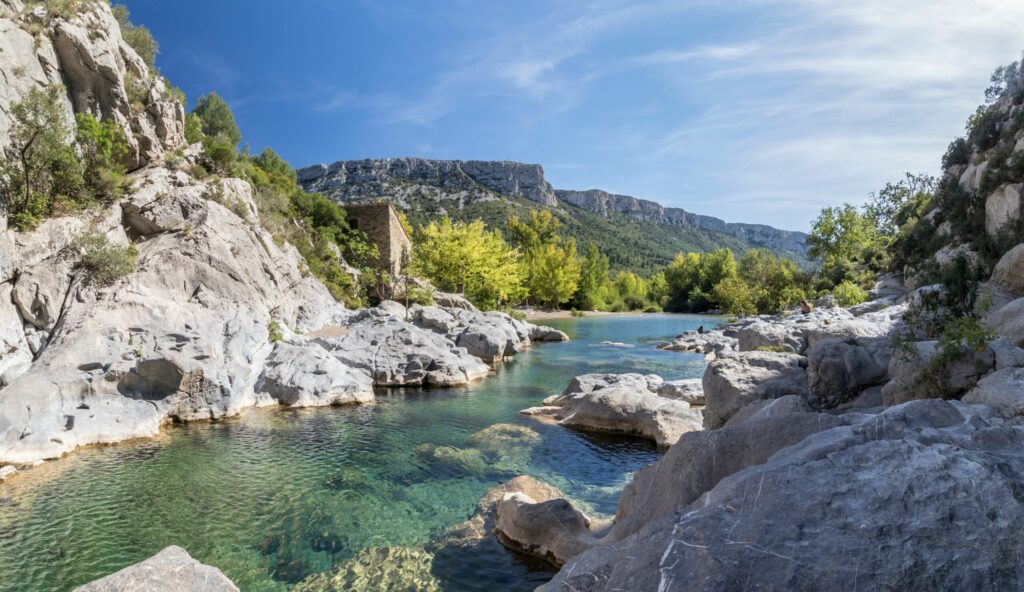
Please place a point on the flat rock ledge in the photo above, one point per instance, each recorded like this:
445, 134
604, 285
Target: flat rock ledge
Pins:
630, 404
170, 570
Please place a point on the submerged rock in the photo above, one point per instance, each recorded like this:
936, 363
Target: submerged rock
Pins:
170, 570
383, 569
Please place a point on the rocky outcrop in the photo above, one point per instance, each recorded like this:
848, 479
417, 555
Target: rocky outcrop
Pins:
621, 403
838, 370
1002, 208
1009, 271
690, 390
170, 570
101, 73
404, 181
886, 501
359, 180
758, 235
734, 381
187, 335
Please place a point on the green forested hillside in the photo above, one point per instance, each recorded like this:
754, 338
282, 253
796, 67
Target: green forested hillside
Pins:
633, 245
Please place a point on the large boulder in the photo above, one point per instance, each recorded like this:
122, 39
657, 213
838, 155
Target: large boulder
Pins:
1008, 321
921, 497
690, 390
396, 353
553, 530
304, 374
1003, 390
701, 459
731, 382
621, 403
1002, 208
840, 369
921, 372
1009, 271
772, 336
170, 570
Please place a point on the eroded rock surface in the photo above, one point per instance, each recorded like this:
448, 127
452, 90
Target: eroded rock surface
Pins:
621, 403
170, 570
870, 498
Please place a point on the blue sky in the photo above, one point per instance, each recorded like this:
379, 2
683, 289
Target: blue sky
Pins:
749, 110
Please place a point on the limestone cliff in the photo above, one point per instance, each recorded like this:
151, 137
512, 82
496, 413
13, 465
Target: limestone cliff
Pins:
410, 182
100, 72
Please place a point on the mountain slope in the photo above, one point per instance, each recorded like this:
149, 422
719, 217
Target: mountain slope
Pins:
636, 234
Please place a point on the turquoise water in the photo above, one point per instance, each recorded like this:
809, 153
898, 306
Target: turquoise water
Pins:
275, 496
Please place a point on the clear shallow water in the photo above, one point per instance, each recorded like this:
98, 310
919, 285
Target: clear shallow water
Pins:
276, 495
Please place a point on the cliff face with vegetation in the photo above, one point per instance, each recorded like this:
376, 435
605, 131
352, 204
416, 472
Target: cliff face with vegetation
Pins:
487, 188
84, 51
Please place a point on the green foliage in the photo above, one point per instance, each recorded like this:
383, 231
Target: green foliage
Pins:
631, 289
848, 294
554, 272
958, 153
593, 279
734, 296
193, 128
138, 37
39, 172
216, 119
774, 283
552, 267
315, 225
275, 332
691, 279
468, 258
103, 147
101, 262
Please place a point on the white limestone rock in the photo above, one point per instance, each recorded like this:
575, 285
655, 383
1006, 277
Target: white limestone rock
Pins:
170, 570
731, 382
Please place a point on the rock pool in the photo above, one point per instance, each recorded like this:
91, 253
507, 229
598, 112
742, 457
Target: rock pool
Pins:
277, 496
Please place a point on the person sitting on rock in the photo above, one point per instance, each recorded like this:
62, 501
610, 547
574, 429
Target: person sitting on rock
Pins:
700, 330
806, 307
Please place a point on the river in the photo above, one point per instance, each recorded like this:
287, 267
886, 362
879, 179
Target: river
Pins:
274, 495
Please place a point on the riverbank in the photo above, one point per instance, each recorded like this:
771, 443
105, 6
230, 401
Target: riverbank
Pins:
338, 484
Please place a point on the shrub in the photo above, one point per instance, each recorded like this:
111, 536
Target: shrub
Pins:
103, 147
274, 331
101, 262
849, 294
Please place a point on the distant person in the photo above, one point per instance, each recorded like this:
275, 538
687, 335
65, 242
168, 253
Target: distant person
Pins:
700, 329
806, 307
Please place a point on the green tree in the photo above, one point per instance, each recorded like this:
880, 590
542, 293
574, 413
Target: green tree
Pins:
899, 204
734, 297
39, 169
847, 243
632, 289
538, 229
554, 272
216, 118
593, 280
466, 257
775, 283
552, 266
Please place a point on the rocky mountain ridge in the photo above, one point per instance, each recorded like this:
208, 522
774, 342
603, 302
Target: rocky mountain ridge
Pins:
399, 179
